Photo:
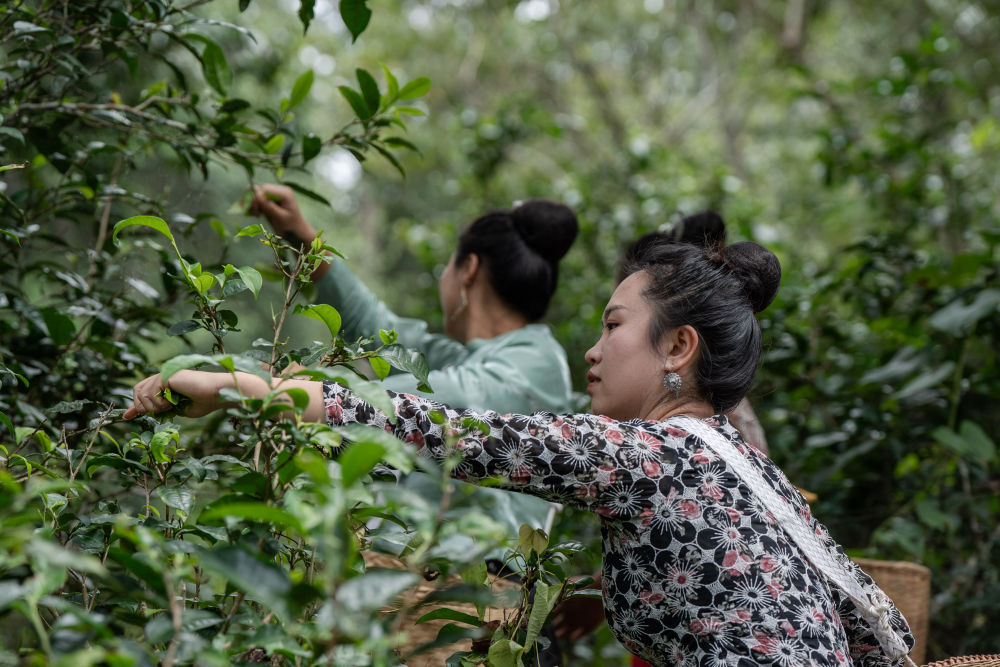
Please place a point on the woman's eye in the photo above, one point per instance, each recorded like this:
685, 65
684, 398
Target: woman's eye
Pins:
610, 325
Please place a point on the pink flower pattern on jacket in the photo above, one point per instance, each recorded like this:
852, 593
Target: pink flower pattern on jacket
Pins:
696, 570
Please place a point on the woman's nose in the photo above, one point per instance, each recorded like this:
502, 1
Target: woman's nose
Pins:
592, 356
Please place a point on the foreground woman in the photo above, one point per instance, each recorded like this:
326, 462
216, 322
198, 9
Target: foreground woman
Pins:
710, 556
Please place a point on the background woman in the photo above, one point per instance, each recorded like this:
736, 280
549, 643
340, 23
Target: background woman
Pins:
710, 555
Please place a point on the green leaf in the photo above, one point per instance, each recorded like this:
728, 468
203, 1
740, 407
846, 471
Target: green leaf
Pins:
182, 362
387, 154
14, 134
60, 327
5, 420
355, 14
396, 453
930, 514
980, 445
932, 378
392, 86
253, 511
259, 580
971, 443
203, 283
143, 221
307, 192
251, 278
410, 111
183, 327
274, 144
180, 498
505, 653
301, 88
416, 88
369, 89
541, 606
397, 142
306, 13
163, 444
358, 460
250, 230
959, 319
300, 397
356, 101
380, 366
451, 615
311, 146
323, 312
532, 539
408, 361
214, 65
376, 588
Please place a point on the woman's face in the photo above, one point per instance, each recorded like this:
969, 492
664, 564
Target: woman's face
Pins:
626, 373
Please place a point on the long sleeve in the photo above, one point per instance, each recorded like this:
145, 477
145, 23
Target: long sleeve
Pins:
363, 314
586, 461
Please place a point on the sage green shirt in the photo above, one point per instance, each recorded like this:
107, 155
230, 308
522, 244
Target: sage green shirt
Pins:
522, 371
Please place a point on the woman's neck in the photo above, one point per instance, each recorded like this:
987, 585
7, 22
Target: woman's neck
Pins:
692, 407
487, 316
490, 324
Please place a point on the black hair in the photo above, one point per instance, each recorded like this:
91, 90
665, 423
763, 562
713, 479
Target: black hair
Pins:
705, 229
716, 289
521, 249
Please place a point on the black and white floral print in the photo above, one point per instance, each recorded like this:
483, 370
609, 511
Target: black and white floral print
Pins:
696, 570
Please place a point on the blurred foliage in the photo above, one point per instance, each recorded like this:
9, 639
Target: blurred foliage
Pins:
859, 140
237, 541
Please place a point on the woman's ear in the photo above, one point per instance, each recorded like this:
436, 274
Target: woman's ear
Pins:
680, 348
468, 269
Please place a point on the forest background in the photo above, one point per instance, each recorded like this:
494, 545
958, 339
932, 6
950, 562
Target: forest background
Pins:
858, 140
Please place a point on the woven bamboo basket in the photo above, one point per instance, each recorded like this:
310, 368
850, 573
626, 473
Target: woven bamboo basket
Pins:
909, 586
418, 635
968, 661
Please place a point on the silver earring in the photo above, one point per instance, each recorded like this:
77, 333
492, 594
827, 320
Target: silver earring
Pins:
673, 382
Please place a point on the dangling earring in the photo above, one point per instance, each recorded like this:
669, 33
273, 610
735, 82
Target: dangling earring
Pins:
673, 382
463, 303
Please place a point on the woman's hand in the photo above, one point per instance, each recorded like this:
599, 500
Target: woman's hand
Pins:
200, 387
277, 204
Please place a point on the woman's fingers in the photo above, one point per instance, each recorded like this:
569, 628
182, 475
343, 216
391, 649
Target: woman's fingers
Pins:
146, 398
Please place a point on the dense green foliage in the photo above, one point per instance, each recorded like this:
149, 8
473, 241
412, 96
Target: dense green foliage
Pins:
235, 542
859, 140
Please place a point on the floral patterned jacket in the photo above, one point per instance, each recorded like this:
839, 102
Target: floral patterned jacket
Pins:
696, 571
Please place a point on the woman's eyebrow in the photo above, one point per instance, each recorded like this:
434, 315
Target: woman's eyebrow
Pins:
610, 309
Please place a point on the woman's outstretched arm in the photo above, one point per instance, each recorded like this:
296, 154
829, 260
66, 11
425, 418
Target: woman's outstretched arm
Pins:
587, 461
203, 389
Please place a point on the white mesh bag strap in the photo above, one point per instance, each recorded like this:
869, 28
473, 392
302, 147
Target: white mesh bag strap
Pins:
875, 611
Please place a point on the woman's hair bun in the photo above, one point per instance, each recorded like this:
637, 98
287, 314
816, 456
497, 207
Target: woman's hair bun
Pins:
547, 227
757, 269
705, 229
